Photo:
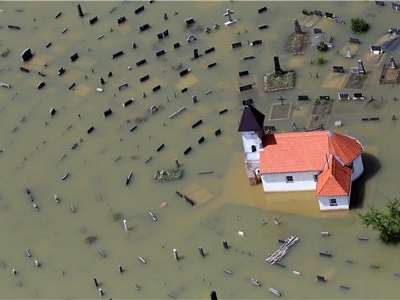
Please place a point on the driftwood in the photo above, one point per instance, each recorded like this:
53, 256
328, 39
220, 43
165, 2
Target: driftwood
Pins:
283, 250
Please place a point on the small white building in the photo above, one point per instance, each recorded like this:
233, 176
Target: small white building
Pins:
323, 161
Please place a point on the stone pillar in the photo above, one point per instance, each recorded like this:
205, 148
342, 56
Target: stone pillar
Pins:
297, 28
361, 69
278, 70
392, 63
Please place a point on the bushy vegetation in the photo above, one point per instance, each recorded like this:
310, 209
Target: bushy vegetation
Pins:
321, 60
359, 25
388, 224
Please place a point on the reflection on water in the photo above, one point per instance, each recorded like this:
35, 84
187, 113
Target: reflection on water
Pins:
79, 233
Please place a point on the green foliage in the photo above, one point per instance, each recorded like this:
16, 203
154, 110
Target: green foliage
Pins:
359, 25
387, 224
321, 60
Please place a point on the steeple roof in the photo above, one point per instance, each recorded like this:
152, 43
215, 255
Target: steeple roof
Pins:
252, 119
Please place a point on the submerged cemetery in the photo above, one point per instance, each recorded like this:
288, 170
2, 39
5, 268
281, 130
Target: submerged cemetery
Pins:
123, 159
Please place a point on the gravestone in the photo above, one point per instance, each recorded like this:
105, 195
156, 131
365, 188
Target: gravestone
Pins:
26, 54
358, 96
343, 96
348, 53
317, 30
392, 63
381, 3
245, 87
228, 15
297, 28
354, 40
302, 97
318, 13
236, 45
361, 69
278, 70
338, 69
329, 15
396, 6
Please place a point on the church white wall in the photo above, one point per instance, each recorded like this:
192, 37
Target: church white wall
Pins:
358, 168
343, 202
302, 181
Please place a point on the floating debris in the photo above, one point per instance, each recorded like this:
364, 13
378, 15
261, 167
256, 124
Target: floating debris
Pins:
283, 250
90, 239
169, 174
274, 291
255, 282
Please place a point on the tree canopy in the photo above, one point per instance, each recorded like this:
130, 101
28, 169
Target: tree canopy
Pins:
388, 224
359, 25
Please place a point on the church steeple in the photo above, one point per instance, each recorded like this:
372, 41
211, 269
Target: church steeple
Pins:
252, 120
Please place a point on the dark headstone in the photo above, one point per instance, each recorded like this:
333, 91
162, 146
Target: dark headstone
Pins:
302, 97
107, 112
190, 21
317, 30
184, 72
354, 40
247, 101
324, 97
256, 42
74, 57
93, 20
117, 54
121, 20
80, 12
318, 13
122, 86
212, 65
209, 50
381, 3
278, 70
358, 96
156, 88
329, 15
196, 53
160, 52
26, 54
245, 87
144, 27
297, 28
269, 128
160, 36
41, 85
343, 96
262, 9
396, 6
338, 69
243, 73
177, 45
141, 62
236, 45
307, 12
139, 10
263, 26
166, 33
144, 78
321, 278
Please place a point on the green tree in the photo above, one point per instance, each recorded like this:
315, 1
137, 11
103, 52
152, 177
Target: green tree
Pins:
359, 25
387, 224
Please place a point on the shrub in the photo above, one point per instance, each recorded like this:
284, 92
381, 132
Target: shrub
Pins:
321, 60
359, 25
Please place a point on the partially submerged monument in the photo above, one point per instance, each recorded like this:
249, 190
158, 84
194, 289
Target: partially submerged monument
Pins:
280, 79
390, 73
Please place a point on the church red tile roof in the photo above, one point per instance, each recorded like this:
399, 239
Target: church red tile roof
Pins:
335, 180
305, 151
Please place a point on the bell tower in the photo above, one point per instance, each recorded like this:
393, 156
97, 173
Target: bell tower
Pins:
252, 129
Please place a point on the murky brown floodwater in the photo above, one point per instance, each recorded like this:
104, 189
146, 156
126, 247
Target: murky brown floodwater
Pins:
99, 164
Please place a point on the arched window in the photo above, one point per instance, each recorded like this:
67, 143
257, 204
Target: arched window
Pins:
253, 148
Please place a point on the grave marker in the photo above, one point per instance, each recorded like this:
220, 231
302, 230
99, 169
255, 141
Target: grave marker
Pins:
228, 15
338, 69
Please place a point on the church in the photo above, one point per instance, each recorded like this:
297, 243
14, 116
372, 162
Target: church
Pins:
322, 160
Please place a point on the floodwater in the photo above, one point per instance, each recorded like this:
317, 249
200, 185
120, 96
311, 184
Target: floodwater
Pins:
39, 149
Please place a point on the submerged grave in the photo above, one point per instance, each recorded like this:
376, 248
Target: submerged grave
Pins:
279, 80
